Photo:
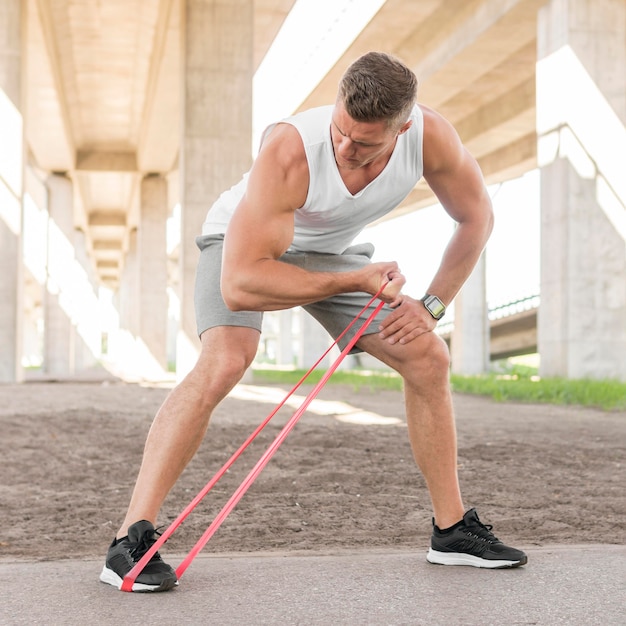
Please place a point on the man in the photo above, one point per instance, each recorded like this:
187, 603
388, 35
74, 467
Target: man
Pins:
286, 231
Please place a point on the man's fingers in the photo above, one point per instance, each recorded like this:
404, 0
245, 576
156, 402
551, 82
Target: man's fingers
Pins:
391, 293
406, 322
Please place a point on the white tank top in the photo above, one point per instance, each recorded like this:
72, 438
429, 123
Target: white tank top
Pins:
331, 216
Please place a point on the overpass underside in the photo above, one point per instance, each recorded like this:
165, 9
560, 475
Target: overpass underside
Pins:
122, 121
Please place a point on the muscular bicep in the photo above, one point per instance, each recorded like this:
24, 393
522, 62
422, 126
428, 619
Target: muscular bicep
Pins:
262, 225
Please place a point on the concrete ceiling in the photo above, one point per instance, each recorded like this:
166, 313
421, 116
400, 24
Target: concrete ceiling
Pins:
102, 85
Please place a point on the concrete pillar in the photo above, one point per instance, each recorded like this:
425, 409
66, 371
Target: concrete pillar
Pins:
581, 111
314, 340
129, 288
59, 336
217, 70
152, 261
84, 357
470, 337
173, 266
284, 348
11, 189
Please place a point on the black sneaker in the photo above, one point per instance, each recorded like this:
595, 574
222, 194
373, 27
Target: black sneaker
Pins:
124, 553
470, 542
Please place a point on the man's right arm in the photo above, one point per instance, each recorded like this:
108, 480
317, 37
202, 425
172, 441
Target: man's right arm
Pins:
262, 228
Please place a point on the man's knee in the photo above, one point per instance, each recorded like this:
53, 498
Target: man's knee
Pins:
429, 361
234, 365
225, 356
439, 353
226, 366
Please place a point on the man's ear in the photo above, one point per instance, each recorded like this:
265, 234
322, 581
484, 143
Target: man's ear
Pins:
405, 127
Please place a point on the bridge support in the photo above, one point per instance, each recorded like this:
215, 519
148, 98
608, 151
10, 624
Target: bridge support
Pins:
59, 333
217, 70
11, 190
581, 111
152, 257
470, 337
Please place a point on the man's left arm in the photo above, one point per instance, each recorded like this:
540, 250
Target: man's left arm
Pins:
455, 178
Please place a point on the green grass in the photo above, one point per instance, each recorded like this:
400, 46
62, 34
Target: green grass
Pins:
603, 394
517, 383
355, 378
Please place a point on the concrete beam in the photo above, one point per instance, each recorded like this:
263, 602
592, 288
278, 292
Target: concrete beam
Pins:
450, 69
104, 264
107, 218
450, 30
269, 16
51, 147
50, 40
499, 114
105, 245
157, 145
118, 238
99, 161
392, 18
511, 161
514, 67
112, 257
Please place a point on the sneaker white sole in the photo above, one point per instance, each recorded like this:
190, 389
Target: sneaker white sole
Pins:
109, 577
458, 558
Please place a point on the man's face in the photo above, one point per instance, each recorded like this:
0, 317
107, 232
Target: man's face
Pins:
358, 144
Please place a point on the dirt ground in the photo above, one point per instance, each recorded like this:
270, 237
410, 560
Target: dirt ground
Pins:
70, 452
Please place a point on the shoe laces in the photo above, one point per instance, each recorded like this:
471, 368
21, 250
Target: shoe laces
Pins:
481, 531
146, 541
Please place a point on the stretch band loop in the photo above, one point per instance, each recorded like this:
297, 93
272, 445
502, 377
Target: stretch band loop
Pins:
131, 577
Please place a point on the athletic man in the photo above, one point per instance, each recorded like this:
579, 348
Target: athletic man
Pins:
282, 238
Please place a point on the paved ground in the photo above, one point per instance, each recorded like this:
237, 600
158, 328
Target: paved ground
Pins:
578, 585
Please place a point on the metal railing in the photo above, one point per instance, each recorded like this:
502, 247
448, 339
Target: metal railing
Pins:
511, 308
500, 311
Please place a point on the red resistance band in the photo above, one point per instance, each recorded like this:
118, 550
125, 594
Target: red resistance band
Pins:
131, 577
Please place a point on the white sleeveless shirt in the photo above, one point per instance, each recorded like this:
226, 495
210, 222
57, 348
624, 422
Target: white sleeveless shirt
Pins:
331, 216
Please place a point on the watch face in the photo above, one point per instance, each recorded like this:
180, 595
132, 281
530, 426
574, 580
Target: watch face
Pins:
435, 306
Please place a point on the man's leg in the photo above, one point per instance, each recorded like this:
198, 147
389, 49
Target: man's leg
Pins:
458, 538
424, 365
175, 435
182, 421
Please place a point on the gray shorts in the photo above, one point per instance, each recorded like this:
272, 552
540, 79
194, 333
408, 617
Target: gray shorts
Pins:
334, 313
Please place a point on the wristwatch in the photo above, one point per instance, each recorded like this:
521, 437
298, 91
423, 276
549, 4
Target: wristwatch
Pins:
434, 306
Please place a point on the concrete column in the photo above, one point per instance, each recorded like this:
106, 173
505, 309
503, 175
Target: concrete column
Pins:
217, 70
314, 340
152, 260
129, 288
173, 266
84, 357
284, 348
11, 189
58, 356
470, 337
581, 110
